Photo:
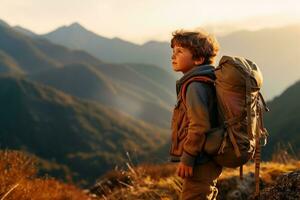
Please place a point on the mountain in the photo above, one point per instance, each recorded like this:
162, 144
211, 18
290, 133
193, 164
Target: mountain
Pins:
23, 50
85, 136
79, 80
161, 77
63, 55
134, 95
35, 54
138, 89
147, 79
24, 31
3, 23
282, 121
113, 50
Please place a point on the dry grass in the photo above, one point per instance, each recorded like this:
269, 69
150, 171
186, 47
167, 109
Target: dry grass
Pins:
18, 181
145, 181
149, 181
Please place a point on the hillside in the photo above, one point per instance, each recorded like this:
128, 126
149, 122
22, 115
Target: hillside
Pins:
282, 121
88, 138
116, 86
23, 51
79, 80
143, 91
8, 64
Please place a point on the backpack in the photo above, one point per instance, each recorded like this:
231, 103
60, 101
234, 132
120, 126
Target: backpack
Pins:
240, 106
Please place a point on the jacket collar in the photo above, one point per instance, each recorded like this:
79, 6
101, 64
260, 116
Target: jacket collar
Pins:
204, 70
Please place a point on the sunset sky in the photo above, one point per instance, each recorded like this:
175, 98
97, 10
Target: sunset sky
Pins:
141, 20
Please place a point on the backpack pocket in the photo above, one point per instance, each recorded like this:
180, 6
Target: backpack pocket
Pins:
229, 159
214, 138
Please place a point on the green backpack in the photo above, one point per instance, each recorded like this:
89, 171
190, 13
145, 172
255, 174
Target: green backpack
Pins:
240, 105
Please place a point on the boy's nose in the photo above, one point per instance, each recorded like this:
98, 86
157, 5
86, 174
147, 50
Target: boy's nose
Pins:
173, 56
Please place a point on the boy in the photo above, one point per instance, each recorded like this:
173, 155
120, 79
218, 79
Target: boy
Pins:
194, 54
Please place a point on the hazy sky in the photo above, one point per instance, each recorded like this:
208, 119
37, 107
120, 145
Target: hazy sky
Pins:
142, 20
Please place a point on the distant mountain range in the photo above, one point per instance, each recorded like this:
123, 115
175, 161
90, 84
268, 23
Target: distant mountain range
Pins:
113, 50
141, 90
86, 136
274, 49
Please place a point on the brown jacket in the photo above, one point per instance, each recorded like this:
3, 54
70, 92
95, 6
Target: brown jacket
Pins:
190, 122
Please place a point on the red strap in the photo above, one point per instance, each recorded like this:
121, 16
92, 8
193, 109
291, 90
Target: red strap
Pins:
204, 79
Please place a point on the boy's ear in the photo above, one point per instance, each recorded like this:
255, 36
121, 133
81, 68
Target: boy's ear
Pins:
199, 61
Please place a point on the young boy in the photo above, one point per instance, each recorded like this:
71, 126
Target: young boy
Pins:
193, 55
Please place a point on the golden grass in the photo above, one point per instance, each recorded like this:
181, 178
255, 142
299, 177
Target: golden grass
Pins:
150, 181
145, 181
18, 181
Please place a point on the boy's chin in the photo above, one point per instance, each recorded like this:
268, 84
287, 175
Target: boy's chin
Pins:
176, 70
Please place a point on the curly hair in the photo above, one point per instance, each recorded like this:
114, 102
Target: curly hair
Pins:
200, 43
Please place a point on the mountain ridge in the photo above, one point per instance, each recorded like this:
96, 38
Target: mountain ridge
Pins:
88, 138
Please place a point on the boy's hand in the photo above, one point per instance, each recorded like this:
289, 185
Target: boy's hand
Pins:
184, 171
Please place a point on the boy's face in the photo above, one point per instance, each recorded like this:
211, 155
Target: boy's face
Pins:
182, 59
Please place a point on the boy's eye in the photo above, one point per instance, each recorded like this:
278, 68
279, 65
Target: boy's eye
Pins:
177, 50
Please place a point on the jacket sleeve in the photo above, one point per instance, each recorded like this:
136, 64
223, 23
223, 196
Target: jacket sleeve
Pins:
198, 116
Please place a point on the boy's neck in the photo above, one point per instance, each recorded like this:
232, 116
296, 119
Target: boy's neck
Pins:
192, 68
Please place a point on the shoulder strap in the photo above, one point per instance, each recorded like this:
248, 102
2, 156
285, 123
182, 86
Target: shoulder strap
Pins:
183, 89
